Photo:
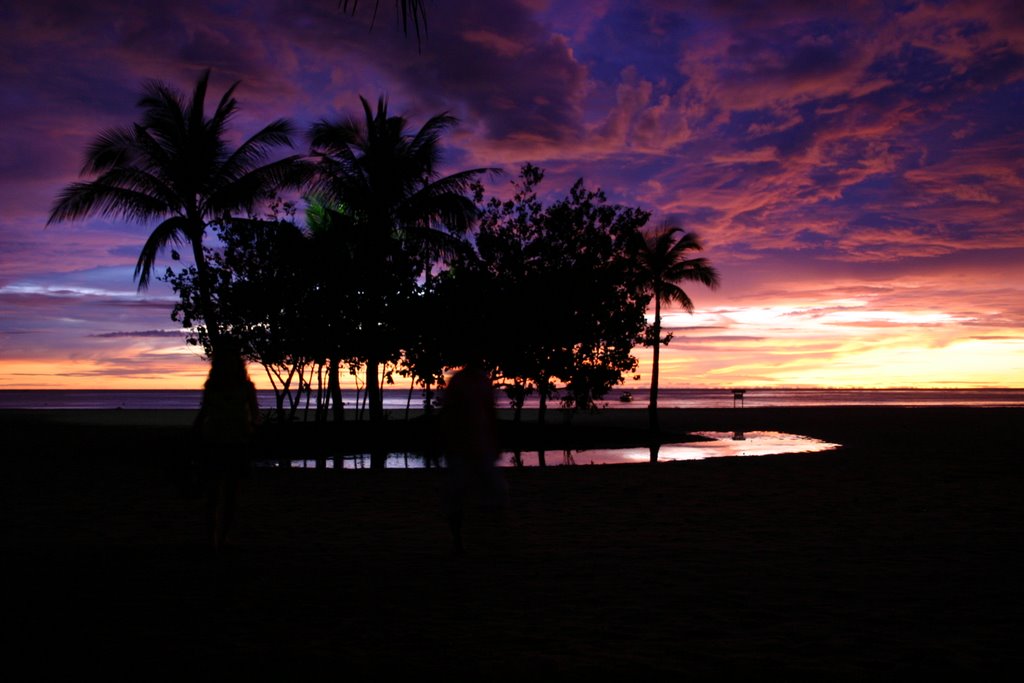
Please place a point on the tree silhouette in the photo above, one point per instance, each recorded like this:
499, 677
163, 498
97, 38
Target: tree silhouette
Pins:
571, 306
504, 283
403, 210
261, 290
333, 267
176, 165
663, 259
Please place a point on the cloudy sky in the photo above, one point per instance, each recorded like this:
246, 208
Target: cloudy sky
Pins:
856, 173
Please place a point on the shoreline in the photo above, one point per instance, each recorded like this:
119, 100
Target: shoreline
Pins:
898, 553
395, 400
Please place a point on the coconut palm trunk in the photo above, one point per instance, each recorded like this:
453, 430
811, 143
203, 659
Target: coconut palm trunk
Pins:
656, 368
373, 388
210, 317
334, 389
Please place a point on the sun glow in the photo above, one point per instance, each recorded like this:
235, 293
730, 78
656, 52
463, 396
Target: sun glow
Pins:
98, 374
769, 347
833, 343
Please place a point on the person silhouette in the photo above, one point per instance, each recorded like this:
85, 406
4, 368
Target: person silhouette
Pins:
226, 423
469, 439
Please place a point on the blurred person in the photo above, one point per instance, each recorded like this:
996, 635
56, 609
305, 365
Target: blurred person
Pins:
226, 424
469, 438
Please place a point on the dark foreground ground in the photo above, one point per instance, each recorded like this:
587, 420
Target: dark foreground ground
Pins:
899, 553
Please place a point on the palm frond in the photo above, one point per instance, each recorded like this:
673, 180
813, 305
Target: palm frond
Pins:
112, 147
80, 200
462, 182
225, 111
336, 139
686, 241
456, 214
163, 113
259, 183
194, 110
256, 149
446, 200
693, 270
171, 231
406, 12
151, 156
671, 292
663, 258
141, 181
437, 243
424, 145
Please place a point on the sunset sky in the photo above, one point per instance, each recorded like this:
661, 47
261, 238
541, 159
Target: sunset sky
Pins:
856, 173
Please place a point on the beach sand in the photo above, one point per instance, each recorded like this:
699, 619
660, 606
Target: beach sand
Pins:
898, 553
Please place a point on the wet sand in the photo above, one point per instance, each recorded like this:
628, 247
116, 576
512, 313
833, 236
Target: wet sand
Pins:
898, 553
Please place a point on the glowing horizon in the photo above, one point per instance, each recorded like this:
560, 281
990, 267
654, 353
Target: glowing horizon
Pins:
789, 358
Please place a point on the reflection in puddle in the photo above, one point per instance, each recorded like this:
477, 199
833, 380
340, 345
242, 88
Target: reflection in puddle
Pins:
722, 445
754, 443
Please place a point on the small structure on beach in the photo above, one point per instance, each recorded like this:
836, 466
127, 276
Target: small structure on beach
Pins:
737, 395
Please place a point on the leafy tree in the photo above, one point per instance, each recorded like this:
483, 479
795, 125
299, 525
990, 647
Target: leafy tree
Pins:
507, 231
564, 286
176, 166
599, 303
664, 261
261, 292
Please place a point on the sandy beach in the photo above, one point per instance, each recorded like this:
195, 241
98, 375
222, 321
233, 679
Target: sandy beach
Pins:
898, 553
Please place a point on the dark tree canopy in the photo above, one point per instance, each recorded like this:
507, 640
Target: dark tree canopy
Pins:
569, 302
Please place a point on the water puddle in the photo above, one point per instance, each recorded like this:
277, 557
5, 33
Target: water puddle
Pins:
722, 444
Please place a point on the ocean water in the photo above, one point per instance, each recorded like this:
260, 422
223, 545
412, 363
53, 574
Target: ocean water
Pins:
395, 400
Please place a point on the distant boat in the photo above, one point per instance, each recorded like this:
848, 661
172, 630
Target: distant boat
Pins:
626, 397
739, 436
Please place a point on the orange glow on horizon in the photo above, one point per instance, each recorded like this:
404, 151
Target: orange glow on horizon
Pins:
824, 343
92, 374
778, 363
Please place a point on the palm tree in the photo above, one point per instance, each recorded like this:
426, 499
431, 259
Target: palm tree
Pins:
664, 262
176, 165
386, 179
407, 10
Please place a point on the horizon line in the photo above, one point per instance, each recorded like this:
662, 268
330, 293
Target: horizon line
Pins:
619, 389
